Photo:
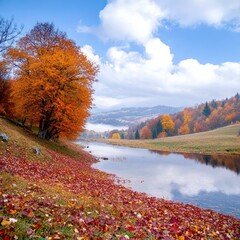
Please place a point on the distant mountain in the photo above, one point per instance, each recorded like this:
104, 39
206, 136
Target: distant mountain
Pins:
131, 116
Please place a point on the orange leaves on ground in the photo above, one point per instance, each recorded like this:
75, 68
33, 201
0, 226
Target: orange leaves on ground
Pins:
107, 211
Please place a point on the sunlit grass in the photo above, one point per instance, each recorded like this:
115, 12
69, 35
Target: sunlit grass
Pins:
21, 143
219, 141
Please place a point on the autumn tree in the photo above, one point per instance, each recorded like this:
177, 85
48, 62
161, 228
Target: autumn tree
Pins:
167, 124
52, 84
116, 136
162, 135
184, 129
197, 127
192, 119
216, 119
146, 133
187, 119
178, 121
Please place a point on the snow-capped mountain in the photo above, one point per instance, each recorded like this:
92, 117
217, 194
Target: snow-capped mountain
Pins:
130, 116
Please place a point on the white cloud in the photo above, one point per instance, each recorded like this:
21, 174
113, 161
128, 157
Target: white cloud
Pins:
163, 176
159, 54
102, 127
89, 52
191, 12
129, 78
106, 102
128, 20
137, 21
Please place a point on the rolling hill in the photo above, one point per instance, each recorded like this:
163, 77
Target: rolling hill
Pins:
131, 116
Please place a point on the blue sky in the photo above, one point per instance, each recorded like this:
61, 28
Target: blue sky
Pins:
150, 52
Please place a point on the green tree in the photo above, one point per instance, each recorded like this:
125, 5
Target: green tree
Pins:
237, 97
154, 133
137, 135
206, 111
122, 135
159, 127
214, 104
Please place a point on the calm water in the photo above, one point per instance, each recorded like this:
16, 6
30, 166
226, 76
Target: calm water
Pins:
202, 180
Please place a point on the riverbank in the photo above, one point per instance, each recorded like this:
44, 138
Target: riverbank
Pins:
58, 195
224, 140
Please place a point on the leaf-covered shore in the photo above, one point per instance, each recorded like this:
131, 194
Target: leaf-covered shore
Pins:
60, 196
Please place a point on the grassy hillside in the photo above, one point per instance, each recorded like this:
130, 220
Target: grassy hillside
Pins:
58, 195
22, 143
224, 140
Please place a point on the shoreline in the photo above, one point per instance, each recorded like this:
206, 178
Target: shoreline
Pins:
222, 141
110, 142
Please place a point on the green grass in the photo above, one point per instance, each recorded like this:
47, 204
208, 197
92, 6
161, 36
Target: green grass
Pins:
21, 143
224, 140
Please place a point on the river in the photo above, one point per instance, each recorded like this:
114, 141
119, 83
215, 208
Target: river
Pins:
210, 182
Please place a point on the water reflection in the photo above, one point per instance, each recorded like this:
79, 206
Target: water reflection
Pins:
228, 162
208, 181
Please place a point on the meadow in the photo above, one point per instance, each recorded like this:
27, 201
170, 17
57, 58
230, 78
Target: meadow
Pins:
224, 140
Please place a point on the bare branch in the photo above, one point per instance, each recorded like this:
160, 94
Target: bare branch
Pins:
8, 33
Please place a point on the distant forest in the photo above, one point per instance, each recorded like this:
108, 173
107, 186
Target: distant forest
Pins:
203, 117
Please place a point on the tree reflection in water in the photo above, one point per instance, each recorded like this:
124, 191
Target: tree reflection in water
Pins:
231, 162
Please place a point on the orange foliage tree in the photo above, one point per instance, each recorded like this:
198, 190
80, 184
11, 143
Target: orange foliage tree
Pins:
146, 133
192, 119
184, 129
167, 124
52, 85
116, 136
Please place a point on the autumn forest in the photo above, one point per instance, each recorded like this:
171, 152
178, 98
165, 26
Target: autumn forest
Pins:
204, 117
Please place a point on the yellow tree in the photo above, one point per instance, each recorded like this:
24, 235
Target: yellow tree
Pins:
53, 82
184, 129
116, 136
187, 119
167, 124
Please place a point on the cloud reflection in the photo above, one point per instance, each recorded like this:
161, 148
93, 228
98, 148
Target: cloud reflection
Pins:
171, 175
